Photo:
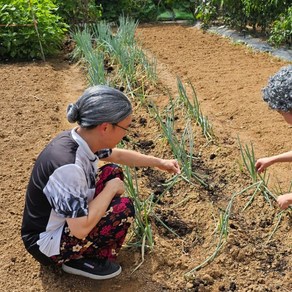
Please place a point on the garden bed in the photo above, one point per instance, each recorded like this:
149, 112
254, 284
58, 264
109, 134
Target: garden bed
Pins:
228, 79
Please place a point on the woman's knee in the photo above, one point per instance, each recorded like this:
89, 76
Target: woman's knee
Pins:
123, 206
130, 205
106, 173
110, 171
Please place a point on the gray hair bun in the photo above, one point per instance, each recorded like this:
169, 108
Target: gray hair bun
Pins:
278, 92
99, 104
72, 113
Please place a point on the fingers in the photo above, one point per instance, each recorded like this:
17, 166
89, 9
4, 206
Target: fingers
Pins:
177, 168
283, 201
170, 166
282, 205
173, 167
260, 166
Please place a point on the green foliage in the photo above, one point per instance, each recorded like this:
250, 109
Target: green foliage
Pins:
143, 211
255, 13
144, 10
79, 11
206, 12
21, 37
233, 13
102, 47
281, 31
194, 109
261, 12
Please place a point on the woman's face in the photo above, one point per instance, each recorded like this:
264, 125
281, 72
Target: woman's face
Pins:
287, 116
119, 131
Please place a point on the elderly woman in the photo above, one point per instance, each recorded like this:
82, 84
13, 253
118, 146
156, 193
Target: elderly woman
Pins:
75, 215
278, 95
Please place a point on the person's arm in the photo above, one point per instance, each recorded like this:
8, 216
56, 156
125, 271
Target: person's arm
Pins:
262, 163
133, 158
81, 226
285, 201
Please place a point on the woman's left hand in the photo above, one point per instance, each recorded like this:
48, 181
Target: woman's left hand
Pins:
169, 165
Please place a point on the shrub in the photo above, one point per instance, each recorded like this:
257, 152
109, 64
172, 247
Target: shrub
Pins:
143, 10
79, 11
24, 38
281, 32
259, 14
206, 12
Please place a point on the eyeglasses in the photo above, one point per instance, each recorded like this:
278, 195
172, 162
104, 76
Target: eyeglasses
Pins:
128, 130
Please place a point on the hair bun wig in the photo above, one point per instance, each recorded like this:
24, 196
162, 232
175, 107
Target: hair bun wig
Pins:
72, 113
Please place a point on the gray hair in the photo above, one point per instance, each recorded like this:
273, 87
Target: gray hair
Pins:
278, 92
97, 105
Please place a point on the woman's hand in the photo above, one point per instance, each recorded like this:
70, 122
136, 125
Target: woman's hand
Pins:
81, 226
263, 163
169, 165
285, 201
116, 185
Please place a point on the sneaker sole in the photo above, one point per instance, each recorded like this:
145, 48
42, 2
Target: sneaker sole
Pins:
77, 272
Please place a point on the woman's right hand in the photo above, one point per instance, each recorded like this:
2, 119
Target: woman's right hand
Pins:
262, 163
116, 185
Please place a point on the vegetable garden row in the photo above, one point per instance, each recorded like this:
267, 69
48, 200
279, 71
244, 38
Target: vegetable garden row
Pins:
32, 29
114, 57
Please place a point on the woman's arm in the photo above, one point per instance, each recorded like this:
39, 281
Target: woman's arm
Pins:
81, 226
133, 158
265, 162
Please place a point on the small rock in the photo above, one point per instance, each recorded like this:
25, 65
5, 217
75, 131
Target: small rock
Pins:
189, 285
208, 279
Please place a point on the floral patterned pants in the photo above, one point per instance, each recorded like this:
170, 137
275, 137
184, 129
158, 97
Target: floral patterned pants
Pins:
106, 238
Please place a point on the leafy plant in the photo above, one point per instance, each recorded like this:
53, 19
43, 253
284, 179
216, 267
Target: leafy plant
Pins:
32, 29
143, 10
242, 14
281, 32
79, 11
206, 11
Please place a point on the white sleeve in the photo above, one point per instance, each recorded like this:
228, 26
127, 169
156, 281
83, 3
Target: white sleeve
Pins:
67, 191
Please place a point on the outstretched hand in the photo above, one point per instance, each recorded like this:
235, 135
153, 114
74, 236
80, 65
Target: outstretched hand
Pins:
170, 165
262, 163
284, 201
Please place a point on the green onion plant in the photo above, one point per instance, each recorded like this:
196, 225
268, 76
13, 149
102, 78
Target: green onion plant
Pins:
260, 181
194, 110
93, 59
100, 42
222, 237
143, 209
181, 147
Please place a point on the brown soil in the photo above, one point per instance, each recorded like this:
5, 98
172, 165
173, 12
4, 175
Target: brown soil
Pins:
228, 80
